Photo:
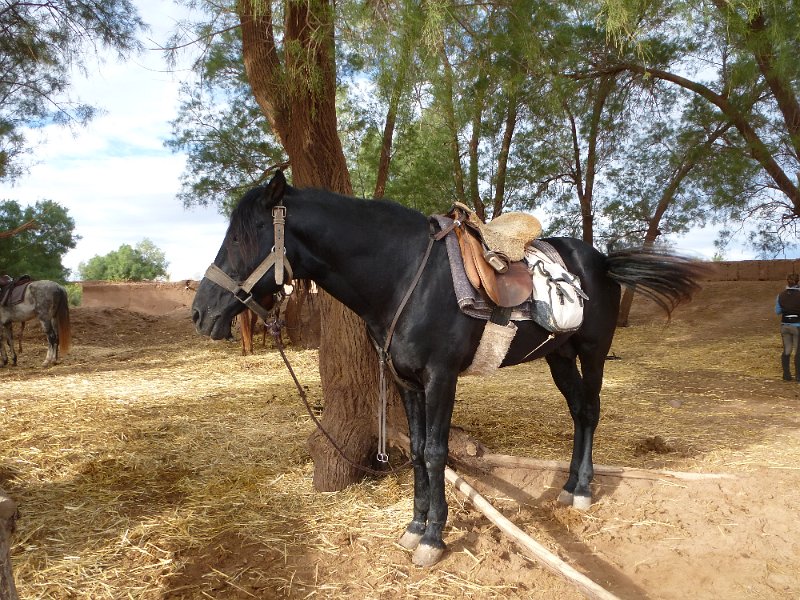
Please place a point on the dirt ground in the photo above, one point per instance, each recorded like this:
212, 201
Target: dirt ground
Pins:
153, 463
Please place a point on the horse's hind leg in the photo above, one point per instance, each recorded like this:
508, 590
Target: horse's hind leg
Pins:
582, 393
50, 327
3, 343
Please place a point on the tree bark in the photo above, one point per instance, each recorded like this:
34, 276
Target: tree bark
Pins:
297, 92
450, 116
474, 141
587, 198
32, 224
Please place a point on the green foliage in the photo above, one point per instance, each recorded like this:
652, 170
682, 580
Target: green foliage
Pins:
36, 252
227, 139
589, 134
74, 293
750, 77
144, 262
40, 43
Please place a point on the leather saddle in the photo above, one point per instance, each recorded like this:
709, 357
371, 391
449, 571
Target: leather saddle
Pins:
490, 254
12, 291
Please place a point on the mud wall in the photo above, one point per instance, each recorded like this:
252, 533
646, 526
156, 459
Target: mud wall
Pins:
754, 270
152, 298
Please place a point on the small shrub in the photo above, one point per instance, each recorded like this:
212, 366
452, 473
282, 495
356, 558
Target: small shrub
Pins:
74, 293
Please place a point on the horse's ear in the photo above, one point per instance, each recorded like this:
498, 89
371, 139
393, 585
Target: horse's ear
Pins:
275, 189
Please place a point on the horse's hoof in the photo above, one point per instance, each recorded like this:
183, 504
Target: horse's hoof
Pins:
582, 503
426, 556
565, 498
409, 540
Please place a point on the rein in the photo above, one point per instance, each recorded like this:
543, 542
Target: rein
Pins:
274, 328
384, 358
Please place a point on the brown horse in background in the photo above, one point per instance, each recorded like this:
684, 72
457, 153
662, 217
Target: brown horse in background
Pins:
247, 324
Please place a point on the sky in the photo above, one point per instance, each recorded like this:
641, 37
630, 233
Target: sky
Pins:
118, 181
114, 176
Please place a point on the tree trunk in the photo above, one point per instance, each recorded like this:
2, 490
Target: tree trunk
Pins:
505, 150
8, 520
391, 118
474, 142
587, 198
297, 93
450, 117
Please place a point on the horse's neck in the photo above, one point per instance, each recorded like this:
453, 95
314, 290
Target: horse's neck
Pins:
360, 251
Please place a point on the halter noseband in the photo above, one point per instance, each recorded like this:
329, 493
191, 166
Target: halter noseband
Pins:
277, 258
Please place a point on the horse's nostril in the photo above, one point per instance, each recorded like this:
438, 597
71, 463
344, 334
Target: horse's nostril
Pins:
195, 316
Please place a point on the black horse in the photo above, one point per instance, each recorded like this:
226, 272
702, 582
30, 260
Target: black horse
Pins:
367, 254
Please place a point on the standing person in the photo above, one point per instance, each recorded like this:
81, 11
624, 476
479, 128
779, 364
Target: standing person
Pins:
787, 306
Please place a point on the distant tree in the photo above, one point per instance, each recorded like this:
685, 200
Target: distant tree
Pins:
143, 262
36, 251
41, 44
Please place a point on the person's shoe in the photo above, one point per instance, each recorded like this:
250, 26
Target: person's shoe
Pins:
787, 374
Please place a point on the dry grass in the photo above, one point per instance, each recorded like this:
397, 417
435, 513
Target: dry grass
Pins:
155, 464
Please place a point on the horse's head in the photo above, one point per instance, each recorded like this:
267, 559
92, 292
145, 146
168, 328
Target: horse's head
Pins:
245, 263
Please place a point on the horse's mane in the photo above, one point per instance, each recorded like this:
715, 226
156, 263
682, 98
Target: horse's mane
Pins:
249, 210
242, 228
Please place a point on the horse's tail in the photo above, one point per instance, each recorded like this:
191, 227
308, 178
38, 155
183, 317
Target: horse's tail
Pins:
64, 328
667, 279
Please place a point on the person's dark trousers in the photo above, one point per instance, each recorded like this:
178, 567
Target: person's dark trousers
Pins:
787, 375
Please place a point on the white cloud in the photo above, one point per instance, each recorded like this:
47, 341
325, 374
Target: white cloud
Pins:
114, 176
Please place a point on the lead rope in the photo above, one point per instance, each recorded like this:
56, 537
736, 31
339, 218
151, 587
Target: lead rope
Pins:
274, 328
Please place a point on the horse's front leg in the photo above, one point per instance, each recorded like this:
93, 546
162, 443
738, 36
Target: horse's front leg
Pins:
414, 403
440, 393
8, 340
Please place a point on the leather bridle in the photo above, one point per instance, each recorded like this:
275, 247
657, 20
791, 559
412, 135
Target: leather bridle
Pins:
243, 291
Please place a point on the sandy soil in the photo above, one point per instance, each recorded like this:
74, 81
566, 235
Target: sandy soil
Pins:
153, 463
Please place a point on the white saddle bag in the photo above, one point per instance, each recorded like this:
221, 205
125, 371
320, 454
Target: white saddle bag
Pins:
557, 295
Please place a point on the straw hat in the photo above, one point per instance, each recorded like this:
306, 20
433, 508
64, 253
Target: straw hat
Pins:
509, 233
